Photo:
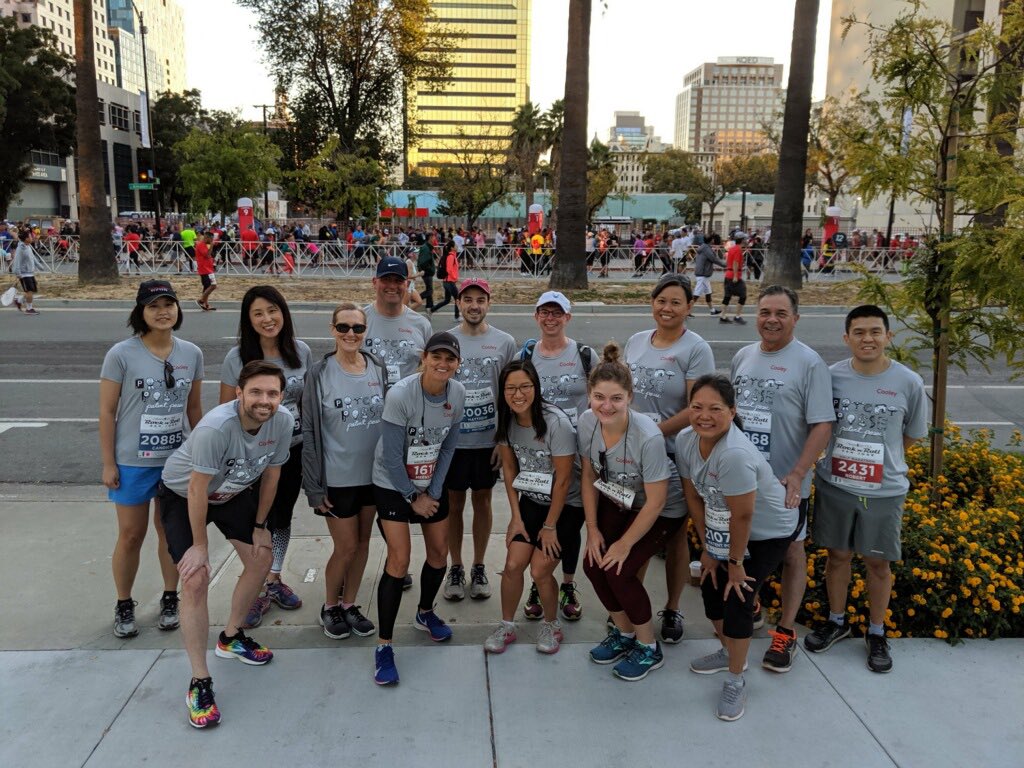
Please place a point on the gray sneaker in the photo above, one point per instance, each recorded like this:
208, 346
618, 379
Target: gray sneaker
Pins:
169, 611
712, 663
479, 587
549, 639
733, 700
124, 619
455, 584
333, 622
358, 623
499, 639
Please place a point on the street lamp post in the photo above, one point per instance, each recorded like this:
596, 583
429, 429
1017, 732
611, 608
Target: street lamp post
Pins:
266, 186
149, 116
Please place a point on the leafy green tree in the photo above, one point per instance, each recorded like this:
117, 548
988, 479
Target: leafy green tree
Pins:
219, 164
963, 297
345, 183
528, 142
552, 124
37, 105
686, 208
174, 115
834, 130
476, 178
601, 176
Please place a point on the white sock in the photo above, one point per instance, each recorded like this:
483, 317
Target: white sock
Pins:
510, 626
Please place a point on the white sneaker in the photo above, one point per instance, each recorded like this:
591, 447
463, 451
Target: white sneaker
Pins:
549, 639
479, 587
455, 583
499, 639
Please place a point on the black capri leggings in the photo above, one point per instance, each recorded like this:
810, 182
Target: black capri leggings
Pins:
737, 615
288, 487
570, 525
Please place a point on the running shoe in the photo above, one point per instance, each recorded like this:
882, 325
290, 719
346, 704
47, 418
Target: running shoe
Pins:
671, 626
569, 602
739, 320
825, 636
202, 709
499, 639
259, 607
639, 662
283, 595
358, 623
879, 659
455, 584
407, 582
609, 622
781, 653
533, 610
31, 311
549, 639
733, 701
479, 587
243, 648
715, 311
724, 319
385, 672
333, 621
712, 663
19, 304
430, 622
124, 619
169, 618
611, 649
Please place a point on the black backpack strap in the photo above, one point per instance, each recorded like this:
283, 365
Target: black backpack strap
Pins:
585, 353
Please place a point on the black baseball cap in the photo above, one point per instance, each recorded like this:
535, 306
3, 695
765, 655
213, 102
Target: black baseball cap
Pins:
446, 341
151, 290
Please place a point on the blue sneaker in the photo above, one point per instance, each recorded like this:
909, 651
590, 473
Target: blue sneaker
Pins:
386, 672
641, 660
611, 649
432, 623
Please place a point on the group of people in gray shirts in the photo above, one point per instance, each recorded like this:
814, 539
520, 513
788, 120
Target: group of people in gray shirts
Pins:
398, 425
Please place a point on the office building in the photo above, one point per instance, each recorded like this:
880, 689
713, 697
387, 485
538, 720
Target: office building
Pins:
165, 39
630, 142
489, 81
725, 105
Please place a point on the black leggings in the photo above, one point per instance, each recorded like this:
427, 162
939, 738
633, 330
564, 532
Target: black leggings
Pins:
450, 292
570, 523
737, 615
288, 486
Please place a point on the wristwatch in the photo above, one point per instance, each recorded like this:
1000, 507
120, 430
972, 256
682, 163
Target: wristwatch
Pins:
411, 498
262, 526
734, 561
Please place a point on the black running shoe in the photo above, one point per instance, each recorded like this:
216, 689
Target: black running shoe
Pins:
671, 626
124, 619
825, 636
879, 659
169, 611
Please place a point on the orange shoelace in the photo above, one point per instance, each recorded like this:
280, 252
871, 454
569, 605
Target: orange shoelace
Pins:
779, 641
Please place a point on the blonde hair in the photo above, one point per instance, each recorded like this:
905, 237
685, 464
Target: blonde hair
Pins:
347, 306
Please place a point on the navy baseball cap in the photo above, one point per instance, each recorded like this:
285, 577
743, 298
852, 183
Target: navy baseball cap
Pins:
392, 265
151, 290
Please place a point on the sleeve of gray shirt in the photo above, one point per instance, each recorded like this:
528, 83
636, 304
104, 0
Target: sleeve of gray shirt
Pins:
393, 437
444, 461
312, 447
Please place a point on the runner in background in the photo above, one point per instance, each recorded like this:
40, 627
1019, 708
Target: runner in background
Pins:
205, 269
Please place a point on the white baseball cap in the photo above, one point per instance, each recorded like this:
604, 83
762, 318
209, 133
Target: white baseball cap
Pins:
555, 297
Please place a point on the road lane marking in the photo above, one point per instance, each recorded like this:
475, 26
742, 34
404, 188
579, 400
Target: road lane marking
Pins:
20, 425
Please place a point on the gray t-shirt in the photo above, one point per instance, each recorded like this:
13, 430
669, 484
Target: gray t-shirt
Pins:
873, 413
294, 378
151, 421
660, 375
351, 405
734, 467
780, 396
563, 381
483, 357
219, 446
425, 423
638, 458
398, 341
536, 470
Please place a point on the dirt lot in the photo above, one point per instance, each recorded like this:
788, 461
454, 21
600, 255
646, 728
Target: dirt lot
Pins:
330, 290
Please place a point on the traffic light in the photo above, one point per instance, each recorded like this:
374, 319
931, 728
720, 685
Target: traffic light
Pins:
145, 176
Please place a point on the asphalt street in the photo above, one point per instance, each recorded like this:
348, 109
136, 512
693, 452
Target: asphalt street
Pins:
49, 369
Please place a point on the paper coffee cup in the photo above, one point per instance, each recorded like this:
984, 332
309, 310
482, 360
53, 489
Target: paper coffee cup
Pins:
695, 572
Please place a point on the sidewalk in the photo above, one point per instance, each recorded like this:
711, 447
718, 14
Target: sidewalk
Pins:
79, 696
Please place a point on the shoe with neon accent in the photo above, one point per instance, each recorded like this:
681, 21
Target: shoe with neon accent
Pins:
243, 648
283, 596
825, 636
259, 607
533, 610
639, 662
169, 618
124, 619
733, 701
430, 622
611, 649
671, 626
455, 583
569, 602
712, 663
479, 587
385, 673
549, 639
499, 639
781, 653
202, 709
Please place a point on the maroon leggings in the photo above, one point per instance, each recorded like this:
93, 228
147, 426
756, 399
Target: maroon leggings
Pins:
625, 591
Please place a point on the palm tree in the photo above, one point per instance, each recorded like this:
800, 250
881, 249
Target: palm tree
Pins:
570, 270
528, 142
783, 265
97, 261
552, 124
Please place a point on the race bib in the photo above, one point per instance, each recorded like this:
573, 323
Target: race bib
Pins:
293, 409
420, 461
716, 532
856, 464
159, 435
227, 490
757, 426
394, 373
536, 483
620, 494
479, 414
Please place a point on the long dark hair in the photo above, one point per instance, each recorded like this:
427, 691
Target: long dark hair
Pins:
249, 348
505, 415
723, 387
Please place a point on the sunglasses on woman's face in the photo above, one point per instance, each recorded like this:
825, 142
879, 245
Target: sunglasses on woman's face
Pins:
343, 328
168, 374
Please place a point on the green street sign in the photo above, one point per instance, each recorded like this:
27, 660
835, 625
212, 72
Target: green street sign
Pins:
134, 186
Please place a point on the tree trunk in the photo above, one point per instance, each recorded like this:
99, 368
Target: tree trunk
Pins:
97, 261
570, 270
783, 262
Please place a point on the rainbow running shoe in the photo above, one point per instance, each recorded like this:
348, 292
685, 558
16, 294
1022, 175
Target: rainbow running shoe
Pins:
243, 648
202, 709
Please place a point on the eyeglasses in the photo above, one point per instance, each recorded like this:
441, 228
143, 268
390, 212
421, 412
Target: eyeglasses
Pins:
525, 389
555, 313
343, 328
169, 374
602, 458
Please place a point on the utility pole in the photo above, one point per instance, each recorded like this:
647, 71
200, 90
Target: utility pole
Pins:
149, 116
266, 185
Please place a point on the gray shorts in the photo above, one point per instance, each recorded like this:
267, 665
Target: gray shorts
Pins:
870, 527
